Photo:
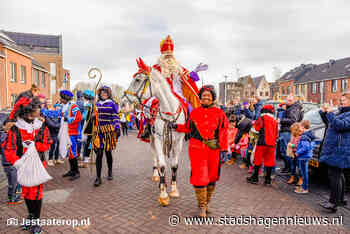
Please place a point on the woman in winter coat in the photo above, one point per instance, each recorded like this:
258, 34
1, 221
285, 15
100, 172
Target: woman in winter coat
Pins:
336, 151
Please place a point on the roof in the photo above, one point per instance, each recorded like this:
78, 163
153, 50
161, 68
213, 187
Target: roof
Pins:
257, 80
2, 54
331, 69
296, 73
8, 42
37, 43
38, 65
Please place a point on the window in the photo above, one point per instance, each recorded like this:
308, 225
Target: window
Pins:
252, 93
53, 87
261, 94
344, 85
13, 72
43, 81
334, 86
288, 90
283, 91
246, 94
296, 89
314, 88
303, 89
23, 74
13, 99
53, 69
266, 94
36, 78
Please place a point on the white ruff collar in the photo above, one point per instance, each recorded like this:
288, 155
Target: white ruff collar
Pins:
22, 124
105, 101
271, 115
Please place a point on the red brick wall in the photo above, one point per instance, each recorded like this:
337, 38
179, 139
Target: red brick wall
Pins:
2, 83
18, 87
313, 97
285, 84
334, 97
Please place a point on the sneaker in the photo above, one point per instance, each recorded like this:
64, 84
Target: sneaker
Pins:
252, 180
36, 229
285, 171
59, 161
300, 190
15, 200
250, 171
69, 173
75, 176
50, 163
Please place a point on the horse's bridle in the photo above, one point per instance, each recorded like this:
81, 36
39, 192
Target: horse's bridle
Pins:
146, 84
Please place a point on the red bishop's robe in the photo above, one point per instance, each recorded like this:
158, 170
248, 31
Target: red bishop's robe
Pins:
189, 87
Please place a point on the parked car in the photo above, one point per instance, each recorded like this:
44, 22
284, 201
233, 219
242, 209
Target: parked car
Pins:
307, 106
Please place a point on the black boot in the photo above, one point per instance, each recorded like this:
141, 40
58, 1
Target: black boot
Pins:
75, 170
110, 175
268, 176
36, 229
70, 172
27, 222
329, 206
254, 179
98, 182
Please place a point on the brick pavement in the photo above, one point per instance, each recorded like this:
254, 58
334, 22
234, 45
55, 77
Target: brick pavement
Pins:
128, 204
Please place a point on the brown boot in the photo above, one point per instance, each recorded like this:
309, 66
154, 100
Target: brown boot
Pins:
300, 181
201, 194
210, 191
291, 180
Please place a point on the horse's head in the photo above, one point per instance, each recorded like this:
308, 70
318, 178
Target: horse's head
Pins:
138, 89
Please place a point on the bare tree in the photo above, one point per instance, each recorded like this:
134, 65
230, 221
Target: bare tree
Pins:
276, 73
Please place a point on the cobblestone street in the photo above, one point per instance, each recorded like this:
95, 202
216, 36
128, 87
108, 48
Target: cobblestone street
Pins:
128, 204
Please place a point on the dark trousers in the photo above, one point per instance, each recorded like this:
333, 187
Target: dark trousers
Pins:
337, 183
125, 128
87, 149
99, 155
11, 173
54, 148
34, 207
137, 123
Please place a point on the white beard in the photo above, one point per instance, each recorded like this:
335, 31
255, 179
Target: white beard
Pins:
169, 69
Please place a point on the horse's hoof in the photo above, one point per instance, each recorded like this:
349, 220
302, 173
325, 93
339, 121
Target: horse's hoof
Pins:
155, 178
174, 194
164, 201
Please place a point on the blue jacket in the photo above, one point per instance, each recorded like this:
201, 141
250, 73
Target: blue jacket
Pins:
3, 136
336, 144
305, 146
257, 109
281, 113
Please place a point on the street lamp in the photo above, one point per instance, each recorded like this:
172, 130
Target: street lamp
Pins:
225, 89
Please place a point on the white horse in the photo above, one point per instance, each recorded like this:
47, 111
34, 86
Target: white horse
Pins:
143, 86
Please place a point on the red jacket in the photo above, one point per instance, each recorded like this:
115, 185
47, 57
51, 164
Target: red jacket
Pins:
10, 146
267, 127
206, 124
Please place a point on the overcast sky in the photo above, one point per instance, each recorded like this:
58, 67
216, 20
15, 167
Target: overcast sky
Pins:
251, 35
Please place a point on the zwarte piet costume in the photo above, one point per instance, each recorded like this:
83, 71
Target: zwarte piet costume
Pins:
108, 131
207, 126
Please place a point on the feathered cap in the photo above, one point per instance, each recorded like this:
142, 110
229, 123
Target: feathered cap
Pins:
66, 94
143, 68
268, 109
89, 94
167, 45
23, 106
106, 89
209, 88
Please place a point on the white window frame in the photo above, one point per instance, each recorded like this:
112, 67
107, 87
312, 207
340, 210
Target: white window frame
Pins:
13, 67
344, 85
314, 88
23, 74
334, 87
43, 80
36, 78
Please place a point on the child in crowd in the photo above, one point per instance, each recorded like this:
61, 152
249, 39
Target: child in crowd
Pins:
303, 155
296, 132
281, 111
232, 132
10, 170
